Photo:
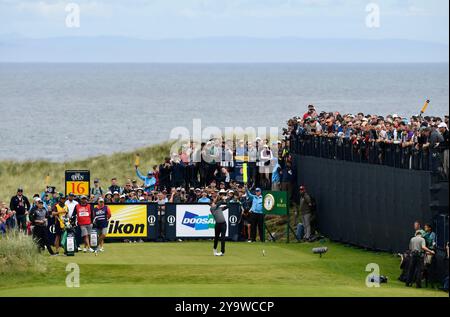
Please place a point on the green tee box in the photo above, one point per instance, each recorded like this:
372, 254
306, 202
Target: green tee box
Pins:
275, 203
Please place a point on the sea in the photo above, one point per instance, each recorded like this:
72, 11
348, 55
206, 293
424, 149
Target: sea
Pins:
64, 112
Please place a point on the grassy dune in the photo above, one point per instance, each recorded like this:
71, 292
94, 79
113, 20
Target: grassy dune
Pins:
31, 175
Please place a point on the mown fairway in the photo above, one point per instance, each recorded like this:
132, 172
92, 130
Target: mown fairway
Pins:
189, 269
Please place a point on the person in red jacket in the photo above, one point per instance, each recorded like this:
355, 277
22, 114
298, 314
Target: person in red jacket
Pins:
84, 219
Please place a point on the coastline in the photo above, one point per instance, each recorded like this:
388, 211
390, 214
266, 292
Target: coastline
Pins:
32, 174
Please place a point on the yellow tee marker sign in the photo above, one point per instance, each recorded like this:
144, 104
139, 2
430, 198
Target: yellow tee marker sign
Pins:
78, 183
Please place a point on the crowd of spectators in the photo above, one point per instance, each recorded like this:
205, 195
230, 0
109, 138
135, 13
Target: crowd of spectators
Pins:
419, 142
216, 174
202, 174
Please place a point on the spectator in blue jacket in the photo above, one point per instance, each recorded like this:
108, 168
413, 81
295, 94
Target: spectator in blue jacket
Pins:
149, 180
276, 176
204, 198
257, 214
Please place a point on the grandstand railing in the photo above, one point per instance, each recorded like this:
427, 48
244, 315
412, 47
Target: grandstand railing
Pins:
371, 152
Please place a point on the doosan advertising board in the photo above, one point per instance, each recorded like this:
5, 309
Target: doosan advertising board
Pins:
196, 221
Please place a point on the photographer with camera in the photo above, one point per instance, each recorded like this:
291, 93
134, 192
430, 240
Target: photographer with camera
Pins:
418, 249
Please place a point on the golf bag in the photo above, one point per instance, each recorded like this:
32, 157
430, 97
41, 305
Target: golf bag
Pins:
68, 240
94, 238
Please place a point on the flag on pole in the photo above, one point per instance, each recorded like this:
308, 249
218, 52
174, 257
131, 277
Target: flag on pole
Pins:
137, 160
425, 106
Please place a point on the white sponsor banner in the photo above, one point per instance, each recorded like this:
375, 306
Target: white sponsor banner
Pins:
196, 221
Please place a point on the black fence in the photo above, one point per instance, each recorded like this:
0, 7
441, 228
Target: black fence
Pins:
366, 205
378, 153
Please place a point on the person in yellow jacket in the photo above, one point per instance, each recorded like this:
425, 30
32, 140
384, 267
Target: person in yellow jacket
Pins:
60, 210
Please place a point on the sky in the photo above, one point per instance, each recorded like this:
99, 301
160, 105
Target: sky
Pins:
424, 20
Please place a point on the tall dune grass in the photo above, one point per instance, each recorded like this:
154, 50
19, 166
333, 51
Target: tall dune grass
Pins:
19, 253
31, 175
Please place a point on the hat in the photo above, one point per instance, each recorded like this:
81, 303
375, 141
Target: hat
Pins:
150, 173
442, 125
116, 193
83, 197
71, 194
302, 188
20, 189
96, 180
38, 200
198, 190
222, 191
123, 196
258, 189
231, 191
108, 193
101, 199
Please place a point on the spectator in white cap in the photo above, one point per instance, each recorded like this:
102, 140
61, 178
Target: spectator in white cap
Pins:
443, 130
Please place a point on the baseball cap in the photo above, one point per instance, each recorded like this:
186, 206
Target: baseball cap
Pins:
258, 189
101, 199
83, 197
442, 125
222, 191
20, 189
